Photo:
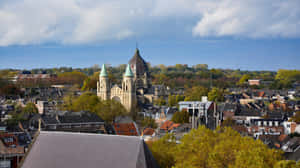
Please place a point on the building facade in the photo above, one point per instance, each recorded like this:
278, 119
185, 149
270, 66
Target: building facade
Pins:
136, 86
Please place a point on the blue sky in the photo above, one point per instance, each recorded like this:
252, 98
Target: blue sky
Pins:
247, 35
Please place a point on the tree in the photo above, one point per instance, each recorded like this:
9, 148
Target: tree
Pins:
72, 78
30, 109
90, 83
216, 94
160, 101
243, 79
223, 147
195, 93
163, 150
86, 102
287, 164
171, 100
149, 122
181, 117
108, 110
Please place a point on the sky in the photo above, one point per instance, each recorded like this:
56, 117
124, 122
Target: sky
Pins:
247, 35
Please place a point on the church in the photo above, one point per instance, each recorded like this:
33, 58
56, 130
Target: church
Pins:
136, 86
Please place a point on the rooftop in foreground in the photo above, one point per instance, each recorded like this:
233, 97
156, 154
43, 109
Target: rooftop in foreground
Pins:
76, 150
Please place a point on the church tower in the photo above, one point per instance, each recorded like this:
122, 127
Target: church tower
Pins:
103, 86
128, 87
140, 71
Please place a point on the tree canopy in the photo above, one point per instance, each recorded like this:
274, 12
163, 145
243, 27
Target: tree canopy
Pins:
223, 147
195, 93
216, 94
181, 117
108, 110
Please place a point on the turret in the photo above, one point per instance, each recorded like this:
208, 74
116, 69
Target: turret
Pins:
128, 88
103, 86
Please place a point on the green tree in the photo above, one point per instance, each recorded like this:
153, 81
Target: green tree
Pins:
72, 78
148, 122
216, 94
287, 164
223, 147
181, 117
90, 83
171, 100
108, 110
86, 102
243, 79
160, 101
30, 109
195, 93
163, 150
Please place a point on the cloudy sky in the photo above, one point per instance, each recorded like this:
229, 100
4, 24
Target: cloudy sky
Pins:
247, 34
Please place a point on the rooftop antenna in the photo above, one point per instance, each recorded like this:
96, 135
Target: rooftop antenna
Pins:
136, 45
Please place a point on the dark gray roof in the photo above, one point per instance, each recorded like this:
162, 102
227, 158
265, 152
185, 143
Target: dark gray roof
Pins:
138, 65
72, 117
77, 150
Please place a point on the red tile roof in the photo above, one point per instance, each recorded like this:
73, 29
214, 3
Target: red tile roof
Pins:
169, 125
128, 129
148, 131
261, 94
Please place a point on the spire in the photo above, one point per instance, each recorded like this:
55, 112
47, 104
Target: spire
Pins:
128, 71
103, 71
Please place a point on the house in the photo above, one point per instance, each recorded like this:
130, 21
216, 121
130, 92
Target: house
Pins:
266, 126
253, 82
168, 126
202, 112
77, 150
82, 121
148, 134
11, 152
128, 129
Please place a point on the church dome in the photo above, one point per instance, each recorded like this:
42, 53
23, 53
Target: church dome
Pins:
138, 64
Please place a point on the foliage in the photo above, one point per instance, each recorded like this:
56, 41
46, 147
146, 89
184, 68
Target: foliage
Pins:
106, 109
72, 78
195, 93
296, 117
229, 122
30, 109
223, 147
243, 79
216, 94
163, 150
90, 83
288, 75
22, 113
174, 99
160, 101
148, 122
181, 117
287, 164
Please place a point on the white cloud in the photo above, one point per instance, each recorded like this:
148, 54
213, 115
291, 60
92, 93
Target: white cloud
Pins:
87, 21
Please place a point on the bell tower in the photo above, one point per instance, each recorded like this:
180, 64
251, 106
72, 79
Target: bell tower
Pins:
128, 87
103, 85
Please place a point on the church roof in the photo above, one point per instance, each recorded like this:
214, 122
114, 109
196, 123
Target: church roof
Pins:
103, 71
139, 63
75, 150
128, 71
